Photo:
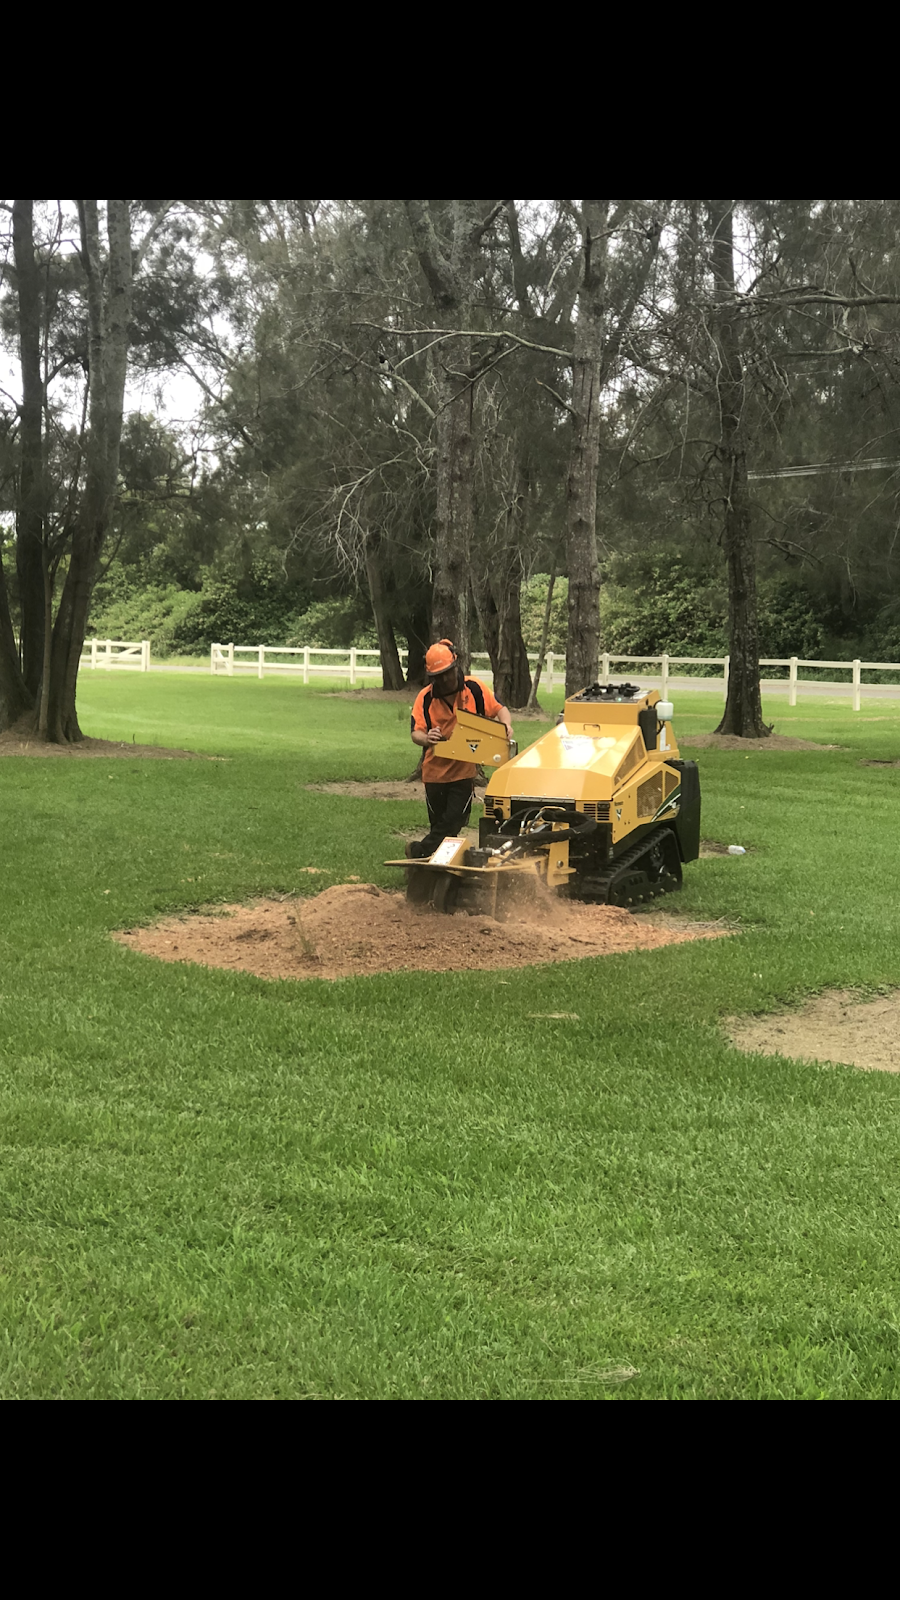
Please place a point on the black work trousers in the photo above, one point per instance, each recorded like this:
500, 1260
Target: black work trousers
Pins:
448, 805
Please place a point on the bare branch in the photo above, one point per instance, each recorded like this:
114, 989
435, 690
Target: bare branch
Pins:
557, 397
437, 269
481, 228
151, 233
468, 333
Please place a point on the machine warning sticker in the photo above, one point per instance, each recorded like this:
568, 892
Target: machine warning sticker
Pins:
445, 852
473, 744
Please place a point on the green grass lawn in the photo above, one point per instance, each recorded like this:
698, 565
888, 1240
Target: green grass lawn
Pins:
407, 1185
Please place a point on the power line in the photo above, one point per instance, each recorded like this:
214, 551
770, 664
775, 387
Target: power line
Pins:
812, 469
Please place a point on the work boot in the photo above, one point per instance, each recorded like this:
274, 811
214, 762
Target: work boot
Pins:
411, 851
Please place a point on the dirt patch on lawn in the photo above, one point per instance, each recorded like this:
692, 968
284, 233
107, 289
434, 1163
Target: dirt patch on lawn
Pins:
400, 697
407, 697
388, 789
355, 929
730, 741
837, 1027
880, 763
15, 742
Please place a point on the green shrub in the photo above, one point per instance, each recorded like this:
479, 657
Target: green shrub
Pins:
257, 609
533, 606
154, 613
665, 607
335, 624
788, 622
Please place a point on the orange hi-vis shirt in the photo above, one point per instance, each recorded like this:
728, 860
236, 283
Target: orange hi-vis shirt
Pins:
443, 716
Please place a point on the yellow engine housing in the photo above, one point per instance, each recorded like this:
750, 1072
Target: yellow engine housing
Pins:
607, 758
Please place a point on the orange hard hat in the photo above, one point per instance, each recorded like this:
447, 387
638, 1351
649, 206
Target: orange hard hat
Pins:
439, 658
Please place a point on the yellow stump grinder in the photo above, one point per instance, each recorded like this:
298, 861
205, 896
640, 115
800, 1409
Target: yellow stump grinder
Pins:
602, 808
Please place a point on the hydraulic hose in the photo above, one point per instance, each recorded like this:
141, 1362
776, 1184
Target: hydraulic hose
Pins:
580, 829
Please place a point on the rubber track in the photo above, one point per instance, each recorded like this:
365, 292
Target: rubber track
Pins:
630, 859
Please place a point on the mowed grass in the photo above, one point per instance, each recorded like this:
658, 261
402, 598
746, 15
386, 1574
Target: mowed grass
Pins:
412, 1185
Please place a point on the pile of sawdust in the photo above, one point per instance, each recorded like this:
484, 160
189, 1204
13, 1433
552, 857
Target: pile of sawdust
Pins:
12, 744
836, 1027
20, 739
407, 697
390, 696
730, 741
383, 789
378, 789
355, 929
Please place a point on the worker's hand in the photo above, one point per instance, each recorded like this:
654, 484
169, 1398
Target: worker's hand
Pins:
435, 736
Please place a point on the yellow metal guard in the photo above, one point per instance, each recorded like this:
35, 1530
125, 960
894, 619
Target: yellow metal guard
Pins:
475, 739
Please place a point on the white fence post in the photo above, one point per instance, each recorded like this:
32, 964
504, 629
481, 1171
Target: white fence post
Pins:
355, 663
145, 655
109, 652
93, 652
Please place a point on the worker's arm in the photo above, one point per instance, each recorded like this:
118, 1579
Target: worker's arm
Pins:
497, 711
504, 717
426, 737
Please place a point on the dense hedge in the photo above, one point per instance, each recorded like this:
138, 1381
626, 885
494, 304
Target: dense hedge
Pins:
657, 605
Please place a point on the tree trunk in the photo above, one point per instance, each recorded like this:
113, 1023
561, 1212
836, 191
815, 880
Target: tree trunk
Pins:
30, 530
542, 647
109, 311
512, 677
743, 705
418, 633
488, 616
453, 492
450, 274
14, 697
391, 670
583, 641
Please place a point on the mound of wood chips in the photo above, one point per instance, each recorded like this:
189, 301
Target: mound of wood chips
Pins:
355, 929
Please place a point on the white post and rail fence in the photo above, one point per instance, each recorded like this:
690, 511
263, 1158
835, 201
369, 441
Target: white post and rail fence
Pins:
357, 665
116, 653
350, 663
309, 661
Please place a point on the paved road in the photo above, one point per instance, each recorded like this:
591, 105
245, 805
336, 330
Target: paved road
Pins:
770, 686
778, 686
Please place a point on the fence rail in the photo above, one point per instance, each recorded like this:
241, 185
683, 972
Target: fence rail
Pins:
355, 664
340, 663
793, 664
116, 653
